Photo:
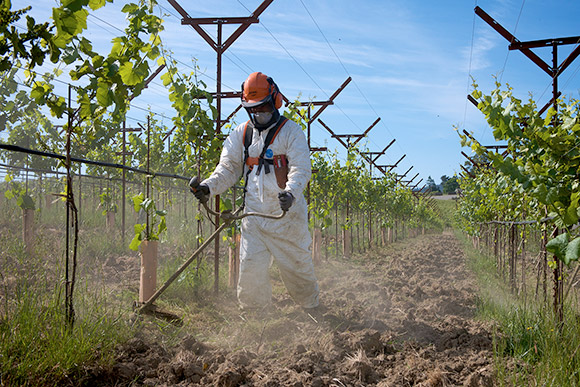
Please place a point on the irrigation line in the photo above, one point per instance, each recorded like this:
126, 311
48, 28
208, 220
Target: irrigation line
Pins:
7, 167
16, 148
522, 222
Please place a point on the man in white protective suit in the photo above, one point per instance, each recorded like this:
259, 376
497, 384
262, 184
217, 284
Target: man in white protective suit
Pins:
272, 153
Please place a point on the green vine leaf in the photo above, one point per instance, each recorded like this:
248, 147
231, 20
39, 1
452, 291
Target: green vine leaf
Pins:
558, 245
129, 75
572, 251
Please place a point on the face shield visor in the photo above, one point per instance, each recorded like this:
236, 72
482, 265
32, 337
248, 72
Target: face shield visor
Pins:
263, 114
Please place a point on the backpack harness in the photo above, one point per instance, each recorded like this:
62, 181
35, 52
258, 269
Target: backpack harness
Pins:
260, 161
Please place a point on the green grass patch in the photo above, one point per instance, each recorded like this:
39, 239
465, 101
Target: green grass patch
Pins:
529, 348
37, 347
447, 210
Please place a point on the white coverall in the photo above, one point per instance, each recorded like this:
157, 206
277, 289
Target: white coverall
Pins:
288, 239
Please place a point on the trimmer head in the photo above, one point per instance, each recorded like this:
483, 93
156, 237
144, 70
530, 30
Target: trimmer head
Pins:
153, 310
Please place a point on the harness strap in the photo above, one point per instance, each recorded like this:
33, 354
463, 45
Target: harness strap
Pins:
259, 161
247, 139
272, 133
278, 161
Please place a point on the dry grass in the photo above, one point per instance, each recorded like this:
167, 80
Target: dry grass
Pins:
359, 365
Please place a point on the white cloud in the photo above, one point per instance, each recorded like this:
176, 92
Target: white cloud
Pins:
477, 57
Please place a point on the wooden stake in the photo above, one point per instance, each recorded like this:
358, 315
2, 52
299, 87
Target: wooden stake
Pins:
48, 201
148, 280
234, 262
346, 243
110, 221
317, 246
383, 236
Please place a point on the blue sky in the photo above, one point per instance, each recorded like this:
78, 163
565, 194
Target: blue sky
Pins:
410, 61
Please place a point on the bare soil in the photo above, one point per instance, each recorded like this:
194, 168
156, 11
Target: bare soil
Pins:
402, 315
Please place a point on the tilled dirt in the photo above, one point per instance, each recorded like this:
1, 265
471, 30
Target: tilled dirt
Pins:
401, 316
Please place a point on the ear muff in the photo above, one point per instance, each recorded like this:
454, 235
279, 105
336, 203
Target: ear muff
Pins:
277, 98
242, 93
275, 92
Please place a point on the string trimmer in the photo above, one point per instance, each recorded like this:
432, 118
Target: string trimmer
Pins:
227, 217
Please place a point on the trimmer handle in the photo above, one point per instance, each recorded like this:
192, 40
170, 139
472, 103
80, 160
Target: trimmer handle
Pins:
194, 183
228, 216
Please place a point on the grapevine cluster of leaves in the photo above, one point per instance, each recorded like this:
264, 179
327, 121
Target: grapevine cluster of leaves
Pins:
154, 226
17, 190
13, 44
540, 170
350, 185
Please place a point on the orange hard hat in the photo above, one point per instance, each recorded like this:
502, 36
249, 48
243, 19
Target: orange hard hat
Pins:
259, 88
